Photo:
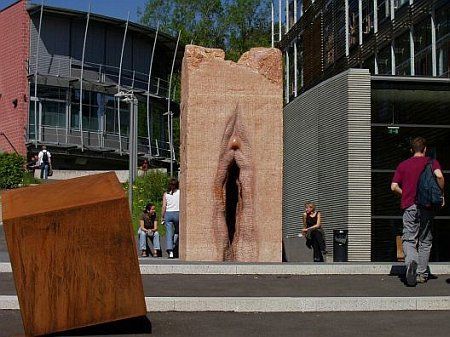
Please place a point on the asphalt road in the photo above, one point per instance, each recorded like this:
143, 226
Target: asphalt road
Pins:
212, 324
276, 285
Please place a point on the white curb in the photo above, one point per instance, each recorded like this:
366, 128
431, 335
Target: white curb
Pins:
271, 269
280, 304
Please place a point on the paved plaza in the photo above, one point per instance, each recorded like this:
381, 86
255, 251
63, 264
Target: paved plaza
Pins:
289, 299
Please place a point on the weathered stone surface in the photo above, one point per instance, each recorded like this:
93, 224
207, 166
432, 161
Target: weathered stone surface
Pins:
231, 156
73, 254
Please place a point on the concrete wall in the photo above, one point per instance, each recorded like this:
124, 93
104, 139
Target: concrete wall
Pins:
14, 28
327, 159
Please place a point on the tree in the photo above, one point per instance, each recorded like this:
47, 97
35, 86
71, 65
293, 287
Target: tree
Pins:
233, 25
198, 20
248, 26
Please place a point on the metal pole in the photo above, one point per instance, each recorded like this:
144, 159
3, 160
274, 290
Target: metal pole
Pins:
36, 135
433, 43
376, 64
295, 69
131, 154
279, 20
169, 113
295, 12
287, 15
360, 22
392, 9
347, 41
411, 50
119, 84
393, 58
81, 79
68, 98
272, 25
287, 75
375, 16
148, 92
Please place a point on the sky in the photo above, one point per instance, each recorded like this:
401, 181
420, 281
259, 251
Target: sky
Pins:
114, 8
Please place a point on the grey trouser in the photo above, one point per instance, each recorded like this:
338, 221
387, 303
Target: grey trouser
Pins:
417, 237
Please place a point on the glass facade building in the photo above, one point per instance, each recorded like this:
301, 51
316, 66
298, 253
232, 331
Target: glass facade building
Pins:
388, 37
77, 63
404, 44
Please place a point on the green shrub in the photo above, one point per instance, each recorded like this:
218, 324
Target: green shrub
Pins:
149, 188
11, 170
28, 179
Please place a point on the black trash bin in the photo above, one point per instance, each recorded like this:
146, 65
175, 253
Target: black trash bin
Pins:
340, 245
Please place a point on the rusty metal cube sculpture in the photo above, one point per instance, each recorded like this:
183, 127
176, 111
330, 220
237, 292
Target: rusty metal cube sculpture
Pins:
73, 254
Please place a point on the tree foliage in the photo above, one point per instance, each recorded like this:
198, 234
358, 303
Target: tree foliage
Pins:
148, 188
233, 25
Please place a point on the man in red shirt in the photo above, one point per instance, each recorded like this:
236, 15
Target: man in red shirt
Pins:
417, 237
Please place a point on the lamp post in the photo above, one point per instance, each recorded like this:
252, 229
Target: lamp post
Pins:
128, 97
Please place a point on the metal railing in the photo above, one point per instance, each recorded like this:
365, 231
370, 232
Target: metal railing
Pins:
102, 141
65, 66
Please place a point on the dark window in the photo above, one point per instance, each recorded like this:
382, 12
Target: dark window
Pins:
402, 55
384, 61
417, 110
422, 48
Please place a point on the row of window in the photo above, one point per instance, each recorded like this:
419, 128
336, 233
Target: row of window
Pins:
100, 112
410, 54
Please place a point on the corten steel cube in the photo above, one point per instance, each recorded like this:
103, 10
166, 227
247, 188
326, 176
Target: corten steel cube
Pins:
73, 254
231, 156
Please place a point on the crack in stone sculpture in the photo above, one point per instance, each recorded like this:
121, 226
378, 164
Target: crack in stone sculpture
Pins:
233, 195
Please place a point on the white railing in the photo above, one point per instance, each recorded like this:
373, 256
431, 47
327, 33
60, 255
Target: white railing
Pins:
102, 140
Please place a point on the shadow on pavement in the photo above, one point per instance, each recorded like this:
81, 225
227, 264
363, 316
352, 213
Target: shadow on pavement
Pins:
137, 325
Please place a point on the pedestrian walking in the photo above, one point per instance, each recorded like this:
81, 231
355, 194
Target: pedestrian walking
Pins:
44, 162
417, 217
170, 213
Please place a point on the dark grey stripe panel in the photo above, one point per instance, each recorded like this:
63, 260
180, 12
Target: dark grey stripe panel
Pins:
327, 159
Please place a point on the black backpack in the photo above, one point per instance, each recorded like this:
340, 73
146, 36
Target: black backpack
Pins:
45, 157
428, 194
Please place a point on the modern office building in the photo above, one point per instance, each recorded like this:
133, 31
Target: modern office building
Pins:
60, 70
363, 77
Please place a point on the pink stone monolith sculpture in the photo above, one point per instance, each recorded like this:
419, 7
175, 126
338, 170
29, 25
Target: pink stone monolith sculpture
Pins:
231, 156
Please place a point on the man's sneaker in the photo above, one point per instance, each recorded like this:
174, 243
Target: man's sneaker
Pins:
411, 274
421, 278
170, 255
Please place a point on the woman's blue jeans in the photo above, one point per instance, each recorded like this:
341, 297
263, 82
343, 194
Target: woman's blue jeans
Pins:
172, 228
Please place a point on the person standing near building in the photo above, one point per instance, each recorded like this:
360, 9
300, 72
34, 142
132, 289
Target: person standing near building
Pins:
170, 213
417, 236
44, 162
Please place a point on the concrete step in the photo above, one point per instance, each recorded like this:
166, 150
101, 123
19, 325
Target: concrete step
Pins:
278, 293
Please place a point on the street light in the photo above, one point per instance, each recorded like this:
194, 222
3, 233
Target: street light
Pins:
128, 97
